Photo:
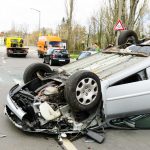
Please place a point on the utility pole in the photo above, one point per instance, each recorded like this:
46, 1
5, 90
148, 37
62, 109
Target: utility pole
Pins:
39, 17
119, 17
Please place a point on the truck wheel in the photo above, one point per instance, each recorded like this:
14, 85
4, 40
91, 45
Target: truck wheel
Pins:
31, 71
40, 55
8, 55
128, 36
83, 90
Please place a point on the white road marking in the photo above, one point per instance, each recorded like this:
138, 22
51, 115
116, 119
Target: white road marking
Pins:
3, 60
17, 81
68, 145
1, 79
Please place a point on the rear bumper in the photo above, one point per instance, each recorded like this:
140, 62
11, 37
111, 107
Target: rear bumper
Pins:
17, 51
56, 60
61, 60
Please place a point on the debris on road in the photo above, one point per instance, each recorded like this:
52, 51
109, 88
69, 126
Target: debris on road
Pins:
2, 135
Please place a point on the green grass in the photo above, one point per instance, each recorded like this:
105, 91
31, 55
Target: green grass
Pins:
74, 56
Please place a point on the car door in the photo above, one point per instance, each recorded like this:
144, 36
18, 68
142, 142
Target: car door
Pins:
129, 96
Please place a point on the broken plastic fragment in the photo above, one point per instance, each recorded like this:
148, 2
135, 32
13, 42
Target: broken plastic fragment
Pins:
47, 112
2, 135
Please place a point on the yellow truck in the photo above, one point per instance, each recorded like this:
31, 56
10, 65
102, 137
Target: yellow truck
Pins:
14, 46
44, 42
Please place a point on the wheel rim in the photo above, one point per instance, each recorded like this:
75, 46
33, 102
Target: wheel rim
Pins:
131, 39
86, 91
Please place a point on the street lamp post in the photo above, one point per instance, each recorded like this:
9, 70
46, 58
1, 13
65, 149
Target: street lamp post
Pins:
39, 17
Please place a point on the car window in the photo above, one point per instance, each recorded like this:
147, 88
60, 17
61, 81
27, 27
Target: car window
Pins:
50, 51
138, 49
142, 75
60, 51
84, 54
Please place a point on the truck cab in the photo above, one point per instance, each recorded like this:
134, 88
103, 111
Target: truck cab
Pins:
44, 42
14, 46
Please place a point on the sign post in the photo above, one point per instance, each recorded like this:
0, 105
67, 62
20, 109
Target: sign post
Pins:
118, 27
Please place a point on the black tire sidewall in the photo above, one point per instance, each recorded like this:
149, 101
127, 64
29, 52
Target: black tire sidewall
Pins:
70, 90
31, 69
124, 36
40, 55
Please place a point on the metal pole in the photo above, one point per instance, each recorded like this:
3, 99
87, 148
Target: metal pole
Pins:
119, 17
39, 21
39, 17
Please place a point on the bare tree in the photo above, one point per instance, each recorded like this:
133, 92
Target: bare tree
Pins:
132, 13
69, 12
136, 12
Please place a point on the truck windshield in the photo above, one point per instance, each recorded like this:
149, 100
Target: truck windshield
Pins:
14, 40
55, 44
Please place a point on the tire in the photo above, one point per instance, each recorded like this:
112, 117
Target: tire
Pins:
128, 36
24, 55
8, 55
40, 55
31, 70
81, 85
46, 59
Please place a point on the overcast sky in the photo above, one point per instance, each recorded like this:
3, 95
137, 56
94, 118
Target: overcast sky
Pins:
52, 11
19, 12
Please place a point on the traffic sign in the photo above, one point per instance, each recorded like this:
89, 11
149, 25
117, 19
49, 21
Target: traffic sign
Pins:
119, 26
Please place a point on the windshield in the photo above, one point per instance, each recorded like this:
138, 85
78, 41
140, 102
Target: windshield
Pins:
55, 44
84, 54
14, 40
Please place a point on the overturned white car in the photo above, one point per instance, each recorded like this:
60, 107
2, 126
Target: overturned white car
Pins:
109, 89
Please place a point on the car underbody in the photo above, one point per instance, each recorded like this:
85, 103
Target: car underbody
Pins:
42, 108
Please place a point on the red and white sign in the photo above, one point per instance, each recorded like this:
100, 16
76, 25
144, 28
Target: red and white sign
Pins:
119, 26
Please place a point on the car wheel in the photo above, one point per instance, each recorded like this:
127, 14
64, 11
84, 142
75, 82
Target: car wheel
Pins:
128, 36
31, 71
83, 90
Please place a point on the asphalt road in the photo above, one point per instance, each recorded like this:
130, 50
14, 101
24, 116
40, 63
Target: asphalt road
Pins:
11, 71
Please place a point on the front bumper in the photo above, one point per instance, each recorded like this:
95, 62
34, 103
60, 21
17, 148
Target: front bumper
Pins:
14, 108
6, 111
